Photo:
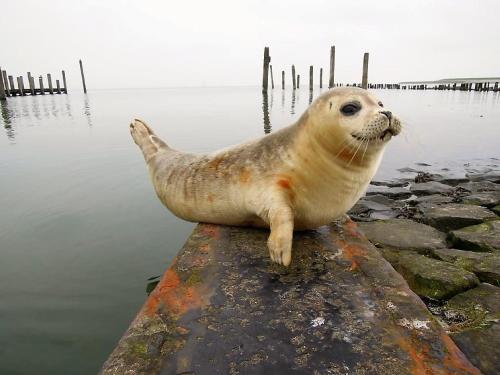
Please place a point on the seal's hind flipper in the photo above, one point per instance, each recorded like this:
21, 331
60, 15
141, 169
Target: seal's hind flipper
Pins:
146, 139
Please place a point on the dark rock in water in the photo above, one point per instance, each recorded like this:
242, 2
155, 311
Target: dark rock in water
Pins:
491, 175
478, 333
396, 183
486, 266
481, 186
481, 237
453, 181
432, 278
423, 177
485, 198
428, 188
434, 199
423, 164
496, 209
403, 234
395, 192
407, 170
453, 216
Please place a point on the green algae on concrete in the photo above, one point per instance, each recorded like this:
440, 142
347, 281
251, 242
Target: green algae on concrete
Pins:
496, 209
478, 333
481, 237
486, 266
433, 278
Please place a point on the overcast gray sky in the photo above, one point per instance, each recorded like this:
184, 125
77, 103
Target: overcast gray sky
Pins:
161, 43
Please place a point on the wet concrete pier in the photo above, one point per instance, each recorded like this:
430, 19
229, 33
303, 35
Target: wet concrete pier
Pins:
340, 308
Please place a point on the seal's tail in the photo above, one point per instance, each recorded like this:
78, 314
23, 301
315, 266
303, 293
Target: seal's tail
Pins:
146, 139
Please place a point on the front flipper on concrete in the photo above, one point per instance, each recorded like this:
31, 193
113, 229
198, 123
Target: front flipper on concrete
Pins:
146, 139
281, 237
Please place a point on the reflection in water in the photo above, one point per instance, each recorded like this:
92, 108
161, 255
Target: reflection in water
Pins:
282, 100
86, 109
265, 109
7, 120
293, 103
310, 96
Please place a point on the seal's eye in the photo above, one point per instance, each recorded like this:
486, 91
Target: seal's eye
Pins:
350, 109
380, 104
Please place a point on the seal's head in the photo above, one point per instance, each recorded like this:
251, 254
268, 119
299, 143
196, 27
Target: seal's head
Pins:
350, 119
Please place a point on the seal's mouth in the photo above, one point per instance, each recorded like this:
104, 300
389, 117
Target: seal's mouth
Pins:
384, 136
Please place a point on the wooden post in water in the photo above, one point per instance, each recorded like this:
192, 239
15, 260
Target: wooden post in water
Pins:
12, 86
20, 85
83, 77
49, 80
364, 81
30, 82
265, 69
40, 80
331, 81
293, 77
65, 88
272, 78
2, 88
321, 78
58, 86
298, 81
5, 82
310, 78
282, 79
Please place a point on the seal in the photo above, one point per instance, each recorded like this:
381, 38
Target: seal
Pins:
300, 177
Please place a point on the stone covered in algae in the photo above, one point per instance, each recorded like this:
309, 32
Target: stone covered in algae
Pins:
481, 237
429, 277
478, 333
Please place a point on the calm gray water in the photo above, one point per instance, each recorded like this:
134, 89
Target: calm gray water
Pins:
81, 229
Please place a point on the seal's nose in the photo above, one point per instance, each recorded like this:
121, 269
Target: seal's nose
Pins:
388, 114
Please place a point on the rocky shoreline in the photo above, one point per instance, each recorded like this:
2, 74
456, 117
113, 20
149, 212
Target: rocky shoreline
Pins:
441, 232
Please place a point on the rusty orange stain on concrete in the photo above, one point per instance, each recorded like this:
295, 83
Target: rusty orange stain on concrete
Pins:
352, 228
455, 360
172, 295
210, 230
419, 356
352, 253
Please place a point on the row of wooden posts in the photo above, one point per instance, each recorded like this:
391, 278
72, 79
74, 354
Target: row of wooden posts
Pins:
268, 68
8, 86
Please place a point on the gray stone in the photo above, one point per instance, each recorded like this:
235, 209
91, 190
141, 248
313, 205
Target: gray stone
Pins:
384, 215
428, 188
481, 237
476, 187
403, 234
477, 332
434, 198
433, 278
391, 192
486, 266
453, 181
454, 216
485, 198
382, 199
493, 176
